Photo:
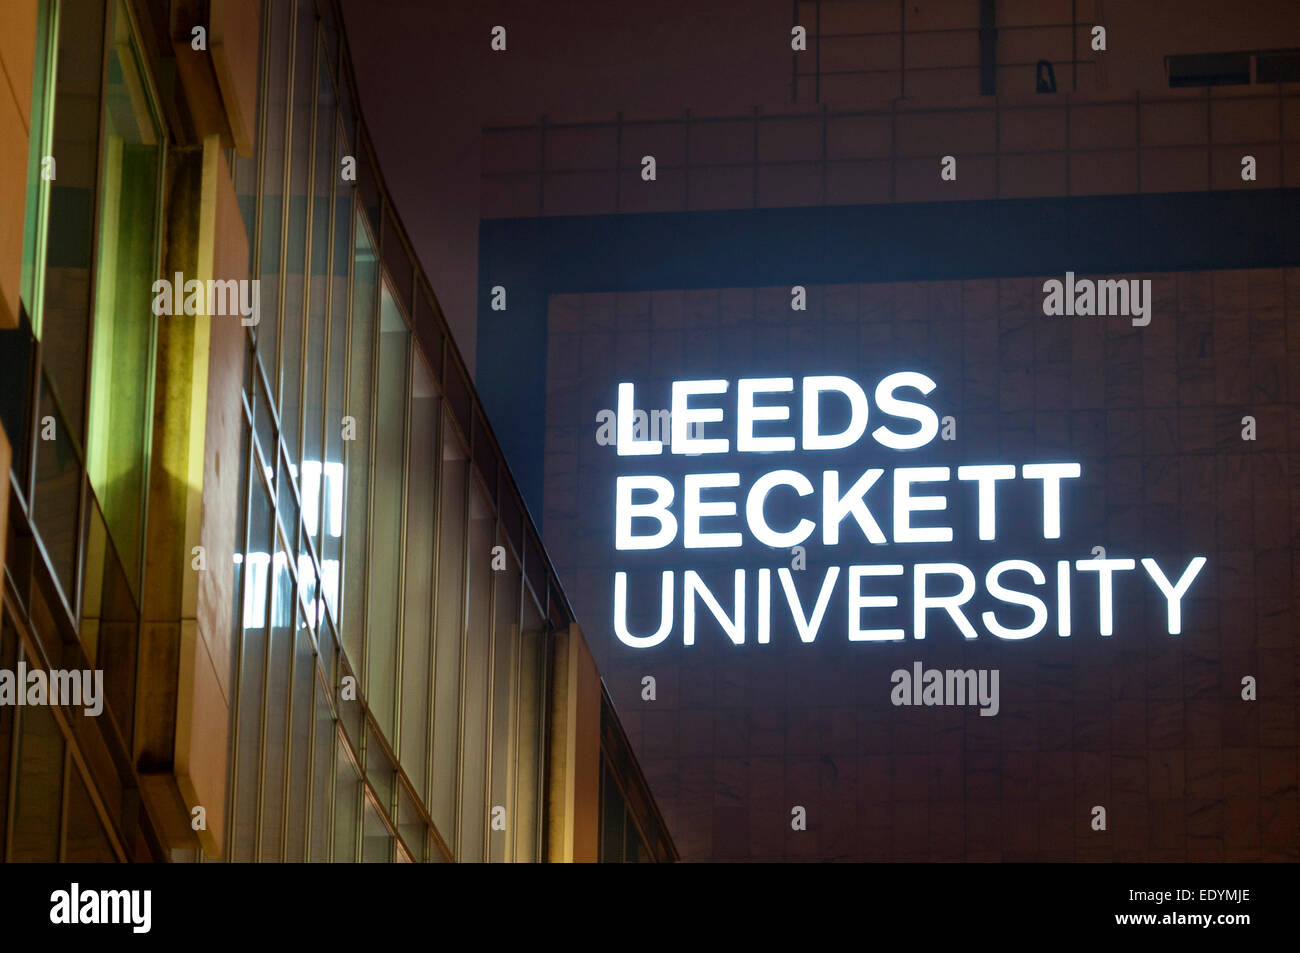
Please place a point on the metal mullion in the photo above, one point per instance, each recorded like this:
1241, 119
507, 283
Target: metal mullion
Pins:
259, 165
285, 172
63, 802
360, 796
518, 713
434, 600
36, 315
512, 716
311, 765
304, 331
344, 448
15, 739
286, 784
399, 634
246, 494
464, 631
298, 530
372, 416
337, 724
328, 312
542, 757
33, 430
152, 379
266, 657
73, 598
491, 692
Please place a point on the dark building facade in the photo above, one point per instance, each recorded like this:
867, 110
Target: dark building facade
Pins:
253, 495
1169, 157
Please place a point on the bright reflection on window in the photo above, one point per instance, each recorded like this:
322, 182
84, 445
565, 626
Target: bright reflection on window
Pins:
316, 476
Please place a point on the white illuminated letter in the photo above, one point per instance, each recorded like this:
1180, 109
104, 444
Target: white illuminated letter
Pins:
1104, 568
684, 417
952, 604
999, 591
693, 509
620, 613
987, 475
758, 496
627, 443
1051, 474
889, 404
808, 629
835, 508
858, 602
905, 504
692, 585
812, 391
1063, 598
747, 413
1174, 594
764, 606
625, 511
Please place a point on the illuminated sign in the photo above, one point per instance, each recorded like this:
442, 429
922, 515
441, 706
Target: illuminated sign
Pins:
715, 509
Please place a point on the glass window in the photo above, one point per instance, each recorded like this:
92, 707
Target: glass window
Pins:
57, 494
449, 629
634, 850
275, 96
528, 733
356, 411
386, 513
66, 295
16, 346
332, 469
39, 146
322, 767
410, 825
300, 751
505, 640
244, 169
256, 572
347, 804
478, 655
109, 621
313, 488
38, 791
295, 275
611, 819
417, 612
377, 840
278, 657
121, 405
348, 704
381, 773
8, 714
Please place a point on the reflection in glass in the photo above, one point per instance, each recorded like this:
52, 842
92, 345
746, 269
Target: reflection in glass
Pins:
121, 405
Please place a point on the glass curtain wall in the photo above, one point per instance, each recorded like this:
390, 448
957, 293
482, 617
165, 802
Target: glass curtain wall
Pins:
77, 404
392, 600
391, 659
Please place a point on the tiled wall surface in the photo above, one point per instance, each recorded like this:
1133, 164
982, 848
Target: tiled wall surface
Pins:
1068, 144
863, 51
1150, 726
